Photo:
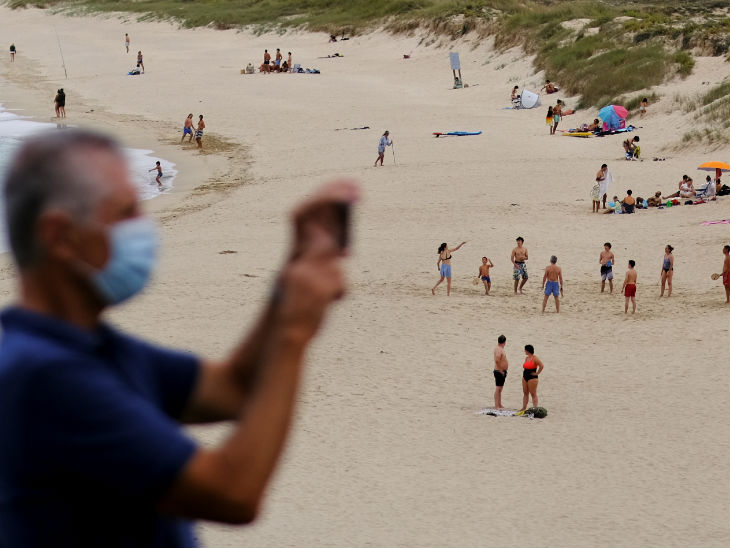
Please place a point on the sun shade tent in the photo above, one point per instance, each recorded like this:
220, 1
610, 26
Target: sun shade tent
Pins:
613, 116
528, 99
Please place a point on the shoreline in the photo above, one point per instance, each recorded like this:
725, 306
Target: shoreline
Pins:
200, 179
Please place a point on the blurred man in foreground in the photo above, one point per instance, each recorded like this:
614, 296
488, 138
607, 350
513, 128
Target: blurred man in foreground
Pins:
92, 450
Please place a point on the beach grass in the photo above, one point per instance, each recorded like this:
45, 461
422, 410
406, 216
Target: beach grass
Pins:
711, 118
600, 50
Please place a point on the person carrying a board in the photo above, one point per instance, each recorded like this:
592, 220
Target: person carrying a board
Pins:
384, 142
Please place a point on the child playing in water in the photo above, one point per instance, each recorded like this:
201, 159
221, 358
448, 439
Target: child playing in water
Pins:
158, 167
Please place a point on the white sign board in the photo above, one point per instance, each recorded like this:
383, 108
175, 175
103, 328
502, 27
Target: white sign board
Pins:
455, 63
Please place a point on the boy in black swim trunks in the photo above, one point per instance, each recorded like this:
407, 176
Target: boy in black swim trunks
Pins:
500, 370
484, 274
158, 167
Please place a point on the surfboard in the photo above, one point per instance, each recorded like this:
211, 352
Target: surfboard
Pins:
578, 134
456, 133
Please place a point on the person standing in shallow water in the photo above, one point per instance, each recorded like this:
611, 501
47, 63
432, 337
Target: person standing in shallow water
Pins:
444, 265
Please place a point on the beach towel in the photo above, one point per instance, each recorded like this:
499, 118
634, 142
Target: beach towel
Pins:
607, 180
720, 222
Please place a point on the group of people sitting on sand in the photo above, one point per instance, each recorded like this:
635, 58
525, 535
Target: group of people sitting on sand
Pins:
279, 64
686, 189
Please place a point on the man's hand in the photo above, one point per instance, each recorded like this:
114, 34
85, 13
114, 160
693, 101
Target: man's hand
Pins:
313, 278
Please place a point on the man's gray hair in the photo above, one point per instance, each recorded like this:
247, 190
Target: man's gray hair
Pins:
48, 172
553, 259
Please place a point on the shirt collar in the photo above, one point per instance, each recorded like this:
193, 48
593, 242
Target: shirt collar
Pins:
17, 318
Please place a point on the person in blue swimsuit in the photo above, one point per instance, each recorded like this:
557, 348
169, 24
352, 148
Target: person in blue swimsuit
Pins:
552, 283
484, 274
188, 128
667, 270
444, 266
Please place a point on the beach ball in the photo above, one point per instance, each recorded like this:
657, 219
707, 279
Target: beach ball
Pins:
611, 204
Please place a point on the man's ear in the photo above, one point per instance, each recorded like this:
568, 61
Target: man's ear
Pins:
56, 236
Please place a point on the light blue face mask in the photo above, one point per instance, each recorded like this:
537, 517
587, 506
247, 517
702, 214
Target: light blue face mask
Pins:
132, 258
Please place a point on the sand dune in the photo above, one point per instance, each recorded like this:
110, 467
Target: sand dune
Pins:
387, 449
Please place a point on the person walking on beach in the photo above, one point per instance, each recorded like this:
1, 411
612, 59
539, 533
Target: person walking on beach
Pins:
444, 266
607, 260
604, 179
642, 107
12, 53
158, 167
596, 197
726, 272
500, 370
552, 283
188, 128
384, 142
199, 132
667, 270
59, 102
629, 287
484, 274
519, 263
126, 41
531, 370
549, 119
557, 115
93, 449
140, 61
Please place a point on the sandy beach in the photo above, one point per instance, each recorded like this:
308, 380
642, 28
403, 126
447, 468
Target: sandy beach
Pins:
387, 447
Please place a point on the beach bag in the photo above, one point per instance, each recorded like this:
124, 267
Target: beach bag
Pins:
724, 190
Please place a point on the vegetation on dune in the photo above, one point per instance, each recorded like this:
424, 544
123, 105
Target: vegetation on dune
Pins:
712, 116
601, 50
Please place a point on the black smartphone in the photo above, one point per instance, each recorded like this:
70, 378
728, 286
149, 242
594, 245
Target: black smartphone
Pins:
334, 217
342, 224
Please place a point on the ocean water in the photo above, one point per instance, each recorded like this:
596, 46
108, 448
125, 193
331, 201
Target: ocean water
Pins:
14, 127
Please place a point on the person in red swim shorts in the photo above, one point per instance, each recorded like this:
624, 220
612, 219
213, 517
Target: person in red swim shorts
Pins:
629, 287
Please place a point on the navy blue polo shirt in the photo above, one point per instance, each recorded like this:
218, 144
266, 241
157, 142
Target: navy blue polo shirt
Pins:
89, 435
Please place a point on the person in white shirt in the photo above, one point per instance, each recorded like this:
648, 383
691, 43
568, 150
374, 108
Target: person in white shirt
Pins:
384, 142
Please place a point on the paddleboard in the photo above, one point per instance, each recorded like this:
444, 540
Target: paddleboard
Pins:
456, 133
578, 134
